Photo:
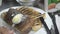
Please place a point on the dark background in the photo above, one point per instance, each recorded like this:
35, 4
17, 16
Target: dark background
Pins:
11, 3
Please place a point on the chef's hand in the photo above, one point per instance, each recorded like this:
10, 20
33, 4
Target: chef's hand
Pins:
52, 5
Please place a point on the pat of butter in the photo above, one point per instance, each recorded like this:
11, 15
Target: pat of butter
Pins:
17, 19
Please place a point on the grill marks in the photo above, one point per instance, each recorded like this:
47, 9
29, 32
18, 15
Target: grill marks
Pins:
29, 11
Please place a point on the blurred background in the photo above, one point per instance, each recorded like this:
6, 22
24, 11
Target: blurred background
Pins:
10, 3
